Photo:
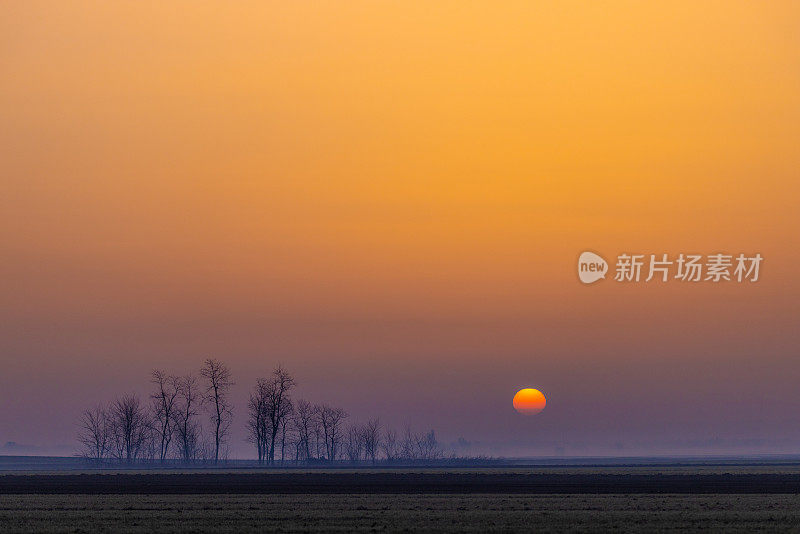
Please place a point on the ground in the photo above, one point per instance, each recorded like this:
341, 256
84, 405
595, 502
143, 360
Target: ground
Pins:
742, 497
398, 513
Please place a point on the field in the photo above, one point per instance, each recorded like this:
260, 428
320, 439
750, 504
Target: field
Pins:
630, 480
397, 513
740, 497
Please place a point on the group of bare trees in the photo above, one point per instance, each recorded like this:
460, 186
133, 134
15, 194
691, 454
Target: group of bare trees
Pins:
122, 431
129, 430
281, 428
305, 433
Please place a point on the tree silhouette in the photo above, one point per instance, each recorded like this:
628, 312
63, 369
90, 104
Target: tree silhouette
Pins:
218, 383
164, 400
95, 433
130, 426
187, 430
128, 430
332, 423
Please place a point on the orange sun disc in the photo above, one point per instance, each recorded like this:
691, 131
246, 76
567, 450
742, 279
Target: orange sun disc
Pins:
529, 401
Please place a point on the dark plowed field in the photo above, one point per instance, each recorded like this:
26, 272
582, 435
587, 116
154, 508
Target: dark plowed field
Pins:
399, 483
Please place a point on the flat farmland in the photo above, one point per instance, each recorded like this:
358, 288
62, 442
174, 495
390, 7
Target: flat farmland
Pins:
398, 513
436, 481
718, 498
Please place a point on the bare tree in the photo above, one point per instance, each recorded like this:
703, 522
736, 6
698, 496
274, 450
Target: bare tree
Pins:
353, 445
389, 445
319, 435
258, 416
408, 445
218, 384
428, 447
284, 426
187, 429
279, 406
94, 433
149, 447
130, 428
414, 446
297, 443
205, 449
164, 400
304, 422
371, 438
332, 421
270, 408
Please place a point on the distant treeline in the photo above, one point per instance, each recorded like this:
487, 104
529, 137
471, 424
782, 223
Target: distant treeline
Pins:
168, 426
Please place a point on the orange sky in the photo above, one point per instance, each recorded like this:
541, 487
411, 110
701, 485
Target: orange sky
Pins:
394, 194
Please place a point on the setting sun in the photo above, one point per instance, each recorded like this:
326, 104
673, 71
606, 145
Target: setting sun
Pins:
529, 401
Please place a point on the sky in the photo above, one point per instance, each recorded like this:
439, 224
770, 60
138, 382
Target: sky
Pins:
389, 198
